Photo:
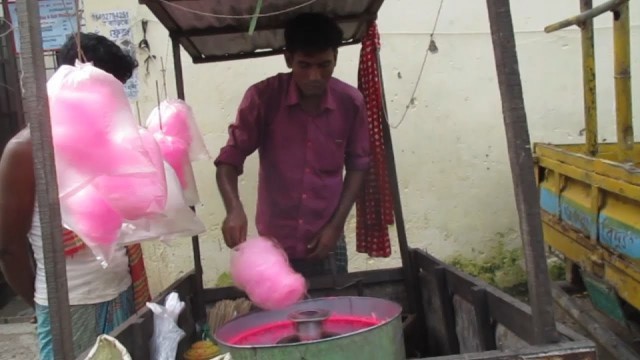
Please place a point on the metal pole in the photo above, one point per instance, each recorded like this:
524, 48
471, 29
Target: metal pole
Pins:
403, 244
589, 82
199, 307
521, 160
36, 110
622, 69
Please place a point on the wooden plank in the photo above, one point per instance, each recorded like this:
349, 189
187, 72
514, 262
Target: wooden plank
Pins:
521, 160
486, 327
443, 299
512, 313
469, 335
36, 109
612, 343
513, 316
579, 350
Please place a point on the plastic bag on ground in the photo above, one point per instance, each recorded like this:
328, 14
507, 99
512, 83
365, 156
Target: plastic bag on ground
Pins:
166, 332
108, 348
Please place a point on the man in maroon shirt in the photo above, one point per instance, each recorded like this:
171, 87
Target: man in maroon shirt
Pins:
307, 127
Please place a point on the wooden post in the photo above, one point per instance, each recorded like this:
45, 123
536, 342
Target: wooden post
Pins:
36, 111
521, 160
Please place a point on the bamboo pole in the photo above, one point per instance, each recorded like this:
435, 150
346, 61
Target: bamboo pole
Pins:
521, 160
622, 70
36, 110
589, 81
584, 16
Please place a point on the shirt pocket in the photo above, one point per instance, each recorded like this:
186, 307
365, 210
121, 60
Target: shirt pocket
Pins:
330, 154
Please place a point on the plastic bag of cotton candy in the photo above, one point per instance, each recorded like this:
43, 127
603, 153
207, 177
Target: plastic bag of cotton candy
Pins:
110, 172
261, 268
174, 127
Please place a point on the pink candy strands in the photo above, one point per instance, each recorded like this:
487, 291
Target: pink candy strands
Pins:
262, 270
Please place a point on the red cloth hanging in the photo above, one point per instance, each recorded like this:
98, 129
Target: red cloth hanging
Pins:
374, 206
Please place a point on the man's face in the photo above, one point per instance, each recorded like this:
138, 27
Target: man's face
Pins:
312, 71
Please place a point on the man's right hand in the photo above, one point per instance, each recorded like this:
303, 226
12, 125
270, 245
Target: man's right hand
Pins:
234, 227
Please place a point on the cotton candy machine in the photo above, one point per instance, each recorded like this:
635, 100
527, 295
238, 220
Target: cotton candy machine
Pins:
324, 328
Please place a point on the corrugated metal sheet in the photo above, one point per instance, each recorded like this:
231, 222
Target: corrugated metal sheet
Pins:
217, 30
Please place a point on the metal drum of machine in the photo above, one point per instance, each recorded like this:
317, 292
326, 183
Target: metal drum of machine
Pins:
323, 328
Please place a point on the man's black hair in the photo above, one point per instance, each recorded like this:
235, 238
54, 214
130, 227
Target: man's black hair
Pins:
104, 53
312, 33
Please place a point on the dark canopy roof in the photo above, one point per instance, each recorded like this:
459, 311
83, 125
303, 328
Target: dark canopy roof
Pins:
207, 36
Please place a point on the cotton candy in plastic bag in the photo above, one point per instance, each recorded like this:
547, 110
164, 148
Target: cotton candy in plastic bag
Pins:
135, 196
177, 220
94, 130
175, 129
261, 269
107, 172
93, 219
175, 118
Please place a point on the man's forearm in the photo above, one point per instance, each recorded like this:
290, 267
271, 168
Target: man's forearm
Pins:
17, 270
352, 185
227, 179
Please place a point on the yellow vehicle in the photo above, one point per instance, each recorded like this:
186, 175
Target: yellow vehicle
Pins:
590, 193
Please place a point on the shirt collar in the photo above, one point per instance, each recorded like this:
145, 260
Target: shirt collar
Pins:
293, 96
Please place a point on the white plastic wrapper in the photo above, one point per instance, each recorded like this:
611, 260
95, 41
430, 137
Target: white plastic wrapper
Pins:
166, 332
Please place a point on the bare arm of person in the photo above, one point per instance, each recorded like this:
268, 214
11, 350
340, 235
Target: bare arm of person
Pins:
17, 194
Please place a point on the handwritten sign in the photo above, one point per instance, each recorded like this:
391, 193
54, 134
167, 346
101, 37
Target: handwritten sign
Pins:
58, 20
116, 25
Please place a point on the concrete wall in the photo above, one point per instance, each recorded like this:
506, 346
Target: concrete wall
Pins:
451, 152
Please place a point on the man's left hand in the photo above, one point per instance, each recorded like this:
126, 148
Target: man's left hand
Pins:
325, 242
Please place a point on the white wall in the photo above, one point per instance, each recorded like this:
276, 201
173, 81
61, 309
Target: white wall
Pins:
450, 149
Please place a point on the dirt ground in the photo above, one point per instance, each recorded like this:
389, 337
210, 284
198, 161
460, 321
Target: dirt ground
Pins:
18, 341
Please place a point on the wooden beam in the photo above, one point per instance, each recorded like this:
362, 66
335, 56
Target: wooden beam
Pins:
521, 160
36, 110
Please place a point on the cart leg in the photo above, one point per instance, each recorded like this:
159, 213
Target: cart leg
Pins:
199, 312
521, 161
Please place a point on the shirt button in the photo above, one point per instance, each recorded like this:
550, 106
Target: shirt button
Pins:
304, 196
307, 170
300, 221
309, 143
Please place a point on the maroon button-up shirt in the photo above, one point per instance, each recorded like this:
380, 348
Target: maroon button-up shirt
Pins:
302, 156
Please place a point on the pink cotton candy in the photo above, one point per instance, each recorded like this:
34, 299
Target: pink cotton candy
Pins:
176, 153
93, 219
175, 117
262, 270
89, 114
135, 196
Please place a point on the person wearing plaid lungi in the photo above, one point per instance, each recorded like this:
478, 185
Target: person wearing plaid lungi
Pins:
308, 128
336, 263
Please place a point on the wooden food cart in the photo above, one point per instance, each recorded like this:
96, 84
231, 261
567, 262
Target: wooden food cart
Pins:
447, 314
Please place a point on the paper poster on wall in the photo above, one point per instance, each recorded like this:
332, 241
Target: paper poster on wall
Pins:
58, 19
116, 25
